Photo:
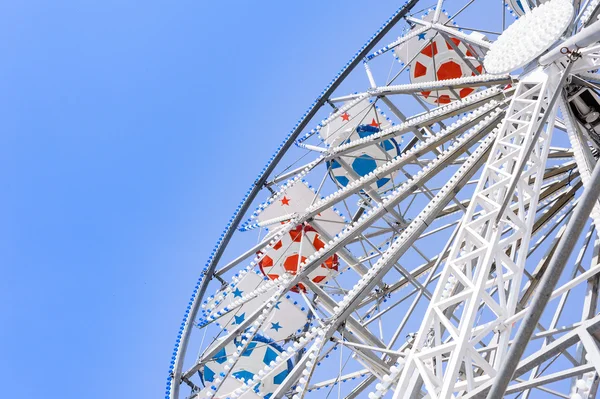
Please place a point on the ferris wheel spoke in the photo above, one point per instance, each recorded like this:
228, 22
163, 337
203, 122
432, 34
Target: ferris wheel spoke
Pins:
591, 77
536, 372
556, 348
453, 31
349, 258
327, 383
305, 366
483, 80
283, 176
402, 282
590, 12
414, 129
354, 326
358, 390
581, 152
430, 117
561, 202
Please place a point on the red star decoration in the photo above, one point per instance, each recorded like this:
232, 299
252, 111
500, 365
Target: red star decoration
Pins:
345, 116
285, 201
374, 123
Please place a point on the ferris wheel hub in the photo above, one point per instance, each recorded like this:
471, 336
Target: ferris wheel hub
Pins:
529, 37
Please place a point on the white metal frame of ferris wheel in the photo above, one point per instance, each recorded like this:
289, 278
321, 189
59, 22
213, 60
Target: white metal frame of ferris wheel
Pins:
482, 244
484, 266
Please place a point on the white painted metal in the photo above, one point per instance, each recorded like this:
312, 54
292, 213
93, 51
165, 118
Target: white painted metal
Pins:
385, 244
468, 279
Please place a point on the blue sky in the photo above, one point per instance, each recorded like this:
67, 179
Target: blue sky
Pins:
129, 131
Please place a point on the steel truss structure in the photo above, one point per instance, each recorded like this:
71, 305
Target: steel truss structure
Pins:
491, 235
431, 235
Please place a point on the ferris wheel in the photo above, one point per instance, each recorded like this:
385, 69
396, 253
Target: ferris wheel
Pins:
428, 227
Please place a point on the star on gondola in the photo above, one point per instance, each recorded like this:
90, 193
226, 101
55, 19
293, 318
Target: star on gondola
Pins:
239, 319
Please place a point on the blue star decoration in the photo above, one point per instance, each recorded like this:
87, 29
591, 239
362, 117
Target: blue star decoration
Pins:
275, 326
237, 293
421, 36
239, 319
276, 306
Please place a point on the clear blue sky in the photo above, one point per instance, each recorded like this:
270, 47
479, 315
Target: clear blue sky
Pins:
129, 132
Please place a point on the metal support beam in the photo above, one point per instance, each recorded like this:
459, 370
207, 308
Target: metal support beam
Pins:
549, 281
